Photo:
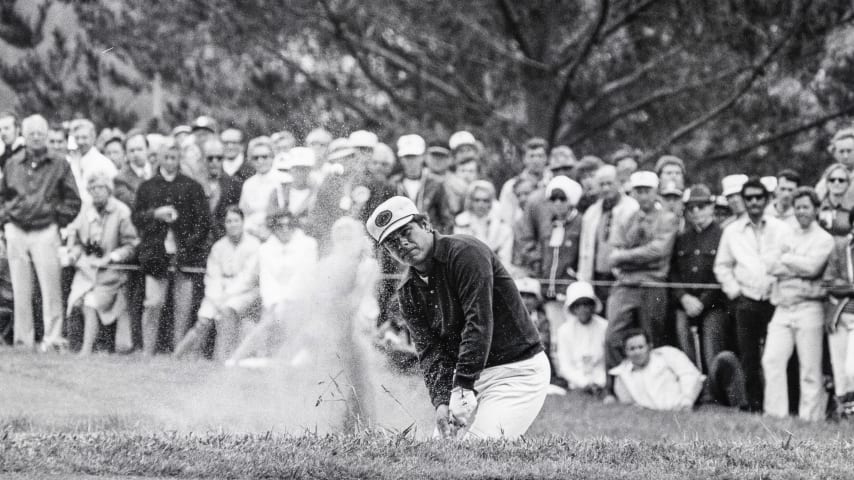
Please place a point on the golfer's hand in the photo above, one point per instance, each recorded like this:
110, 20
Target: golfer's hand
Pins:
443, 423
462, 406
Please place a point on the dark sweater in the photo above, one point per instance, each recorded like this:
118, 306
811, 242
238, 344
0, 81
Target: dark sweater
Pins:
37, 191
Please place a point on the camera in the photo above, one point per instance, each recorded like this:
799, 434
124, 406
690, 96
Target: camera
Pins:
93, 248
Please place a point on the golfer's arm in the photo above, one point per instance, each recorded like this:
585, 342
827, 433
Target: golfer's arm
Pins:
473, 271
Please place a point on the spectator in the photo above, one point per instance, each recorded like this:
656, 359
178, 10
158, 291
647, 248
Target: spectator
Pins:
466, 171
562, 161
584, 173
781, 208
611, 208
203, 129
463, 145
111, 142
382, 163
550, 241
11, 137
731, 190
833, 215
256, 191
39, 197
102, 234
523, 190
234, 164
363, 143
87, 159
532, 297
670, 168
193, 159
179, 133
665, 379
671, 200
534, 159
625, 160
231, 288
480, 219
641, 250
581, 340
171, 215
136, 171
438, 159
702, 311
283, 142
296, 195
840, 319
57, 142
223, 191
318, 140
426, 190
842, 149
798, 321
722, 210
749, 246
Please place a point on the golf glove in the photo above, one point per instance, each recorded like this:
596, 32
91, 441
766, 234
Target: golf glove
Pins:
462, 406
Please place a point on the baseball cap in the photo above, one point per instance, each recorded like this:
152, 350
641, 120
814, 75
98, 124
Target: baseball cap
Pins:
731, 184
181, 129
568, 186
363, 138
301, 157
670, 189
410, 145
562, 157
437, 148
644, 178
699, 193
461, 138
530, 286
578, 290
389, 217
338, 149
205, 122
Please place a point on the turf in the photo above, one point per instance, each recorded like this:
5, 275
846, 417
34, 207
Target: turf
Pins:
124, 417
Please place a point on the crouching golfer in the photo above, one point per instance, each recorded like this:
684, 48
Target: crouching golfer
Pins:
483, 363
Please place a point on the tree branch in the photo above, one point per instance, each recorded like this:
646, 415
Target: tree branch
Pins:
512, 18
627, 17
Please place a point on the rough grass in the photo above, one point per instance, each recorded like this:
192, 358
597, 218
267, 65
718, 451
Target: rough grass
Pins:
69, 418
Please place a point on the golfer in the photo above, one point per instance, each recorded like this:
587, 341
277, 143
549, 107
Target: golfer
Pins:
483, 363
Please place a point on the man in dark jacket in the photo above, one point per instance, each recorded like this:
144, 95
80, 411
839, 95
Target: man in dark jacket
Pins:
469, 324
172, 217
136, 171
39, 196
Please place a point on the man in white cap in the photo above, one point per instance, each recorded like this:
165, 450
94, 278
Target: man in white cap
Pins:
421, 186
581, 340
641, 250
731, 191
550, 239
463, 145
296, 195
481, 356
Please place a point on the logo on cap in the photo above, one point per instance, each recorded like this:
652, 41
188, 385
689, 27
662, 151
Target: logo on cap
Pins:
383, 218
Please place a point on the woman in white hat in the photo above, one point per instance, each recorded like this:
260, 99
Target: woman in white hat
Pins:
580, 340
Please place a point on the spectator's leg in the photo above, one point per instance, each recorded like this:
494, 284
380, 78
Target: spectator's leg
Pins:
848, 360
778, 349
21, 272
44, 246
90, 330
713, 335
838, 344
135, 294
556, 317
183, 297
751, 320
227, 330
652, 312
808, 341
155, 294
685, 337
621, 317
726, 378
192, 340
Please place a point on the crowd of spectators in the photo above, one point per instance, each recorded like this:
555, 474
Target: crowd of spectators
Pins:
645, 289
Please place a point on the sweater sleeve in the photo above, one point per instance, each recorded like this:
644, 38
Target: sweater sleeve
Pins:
68, 205
472, 268
724, 265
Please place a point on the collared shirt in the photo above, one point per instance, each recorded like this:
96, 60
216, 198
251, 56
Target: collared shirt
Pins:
581, 351
798, 270
467, 317
143, 173
641, 248
745, 253
231, 166
693, 262
668, 382
787, 215
38, 191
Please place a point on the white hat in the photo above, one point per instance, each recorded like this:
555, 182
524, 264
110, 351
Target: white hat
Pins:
282, 161
670, 188
318, 135
770, 183
363, 138
338, 149
569, 186
644, 178
731, 184
578, 290
529, 285
410, 145
389, 216
301, 157
461, 138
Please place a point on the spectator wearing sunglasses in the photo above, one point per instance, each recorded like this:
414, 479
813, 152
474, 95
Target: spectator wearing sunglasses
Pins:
749, 246
223, 190
255, 196
832, 213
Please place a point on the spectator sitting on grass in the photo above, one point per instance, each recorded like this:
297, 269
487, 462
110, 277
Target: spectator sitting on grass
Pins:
581, 340
533, 299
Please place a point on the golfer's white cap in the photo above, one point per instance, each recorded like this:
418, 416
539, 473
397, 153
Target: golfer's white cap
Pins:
363, 138
731, 184
390, 216
461, 138
644, 178
411, 145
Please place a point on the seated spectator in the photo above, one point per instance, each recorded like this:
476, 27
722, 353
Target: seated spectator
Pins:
798, 321
581, 340
481, 220
833, 214
256, 191
231, 289
171, 215
102, 234
665, 379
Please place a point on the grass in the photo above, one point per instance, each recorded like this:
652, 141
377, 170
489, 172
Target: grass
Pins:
116, 417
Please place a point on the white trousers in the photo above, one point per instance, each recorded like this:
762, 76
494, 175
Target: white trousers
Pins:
800, 327
35, 250
509, 398
841, 344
